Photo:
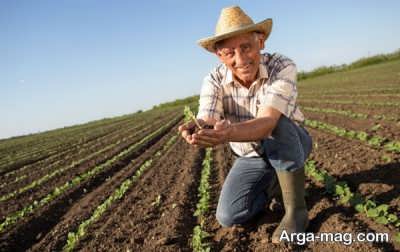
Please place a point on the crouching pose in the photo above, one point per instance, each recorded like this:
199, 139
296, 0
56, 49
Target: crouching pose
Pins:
250, 99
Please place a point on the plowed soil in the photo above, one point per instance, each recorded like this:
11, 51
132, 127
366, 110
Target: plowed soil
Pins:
157, 212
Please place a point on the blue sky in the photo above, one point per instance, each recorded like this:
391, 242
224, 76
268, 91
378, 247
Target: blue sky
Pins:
68, 62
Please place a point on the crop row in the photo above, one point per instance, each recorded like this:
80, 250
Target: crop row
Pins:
86, 147
347, 113
351, 95
344, 102
351, 114
378, 212
374, 90
74, 164
45, 146
372, 140
202, 206
14, 217
94, 153
57, 136
47, 149
74, 237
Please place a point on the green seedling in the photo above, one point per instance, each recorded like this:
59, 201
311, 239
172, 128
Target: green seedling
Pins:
189, 116
202, 206
386, 158
393, 146
157, 202
378, 212
376, 127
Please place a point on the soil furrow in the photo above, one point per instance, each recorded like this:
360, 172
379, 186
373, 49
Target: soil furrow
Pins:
27, 230
83, 208
139, 223
361, 166
72, 160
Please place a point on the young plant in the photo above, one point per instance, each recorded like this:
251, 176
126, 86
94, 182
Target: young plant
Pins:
340, 189
202, 207
156, 203
189, 116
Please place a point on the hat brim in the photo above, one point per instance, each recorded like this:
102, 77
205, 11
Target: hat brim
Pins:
263, 27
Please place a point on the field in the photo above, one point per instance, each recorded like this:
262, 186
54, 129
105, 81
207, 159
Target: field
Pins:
131, 183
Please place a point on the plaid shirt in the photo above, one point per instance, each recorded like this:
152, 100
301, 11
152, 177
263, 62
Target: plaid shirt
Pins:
222, 97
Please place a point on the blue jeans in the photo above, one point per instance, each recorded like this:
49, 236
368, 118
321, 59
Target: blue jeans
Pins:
244, 193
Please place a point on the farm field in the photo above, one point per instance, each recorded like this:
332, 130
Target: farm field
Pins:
132, 184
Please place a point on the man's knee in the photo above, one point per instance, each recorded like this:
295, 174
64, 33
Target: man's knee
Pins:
226, 216
225, 219
288, 147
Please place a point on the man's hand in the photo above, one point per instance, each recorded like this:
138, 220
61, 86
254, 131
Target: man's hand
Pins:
212, 137
187, 130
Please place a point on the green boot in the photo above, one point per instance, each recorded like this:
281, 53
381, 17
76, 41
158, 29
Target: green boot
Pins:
274, 195
295, 219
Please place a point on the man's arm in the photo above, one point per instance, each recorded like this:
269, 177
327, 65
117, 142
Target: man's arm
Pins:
247, 131
255, 129
274, 103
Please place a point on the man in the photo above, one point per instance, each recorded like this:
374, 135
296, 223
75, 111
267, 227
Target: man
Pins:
250, 99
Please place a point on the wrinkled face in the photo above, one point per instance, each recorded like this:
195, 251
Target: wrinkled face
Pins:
241, 54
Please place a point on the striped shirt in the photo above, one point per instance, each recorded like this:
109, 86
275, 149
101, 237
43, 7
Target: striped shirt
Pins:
222, 97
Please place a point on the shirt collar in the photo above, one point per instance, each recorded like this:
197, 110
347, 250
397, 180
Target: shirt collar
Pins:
262, 73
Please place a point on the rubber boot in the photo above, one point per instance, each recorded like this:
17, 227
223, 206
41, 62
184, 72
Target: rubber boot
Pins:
295, 219
274, 194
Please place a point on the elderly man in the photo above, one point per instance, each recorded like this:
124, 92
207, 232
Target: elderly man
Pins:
250, 99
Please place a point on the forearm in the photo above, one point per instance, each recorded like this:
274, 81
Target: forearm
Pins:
251, 130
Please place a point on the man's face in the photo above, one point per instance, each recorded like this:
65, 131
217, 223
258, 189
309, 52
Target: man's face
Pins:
241, 54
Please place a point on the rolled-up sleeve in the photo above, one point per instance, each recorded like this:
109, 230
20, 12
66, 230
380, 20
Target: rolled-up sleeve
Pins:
210, 104
281, 94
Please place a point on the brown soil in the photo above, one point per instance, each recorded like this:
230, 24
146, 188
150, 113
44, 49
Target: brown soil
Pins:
40, 191
83, 208
138, 222
371, 111
33, 228
67, 159
51, 154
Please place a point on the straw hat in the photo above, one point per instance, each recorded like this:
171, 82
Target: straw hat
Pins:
233, 21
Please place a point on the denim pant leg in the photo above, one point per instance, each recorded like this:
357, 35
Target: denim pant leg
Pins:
288, 146
243, 192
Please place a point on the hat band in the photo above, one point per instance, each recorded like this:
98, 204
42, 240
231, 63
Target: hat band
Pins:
233, 29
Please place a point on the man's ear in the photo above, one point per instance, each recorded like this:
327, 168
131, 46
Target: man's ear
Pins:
261, 39
218, 55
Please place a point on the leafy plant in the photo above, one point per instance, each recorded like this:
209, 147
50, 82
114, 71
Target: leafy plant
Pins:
363, 136
376, 141
379, 213
14, 217
397, 237
157, 201
386, 158
202, 206
393, 146
376, 127
198, 240
189, 116
73, 238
